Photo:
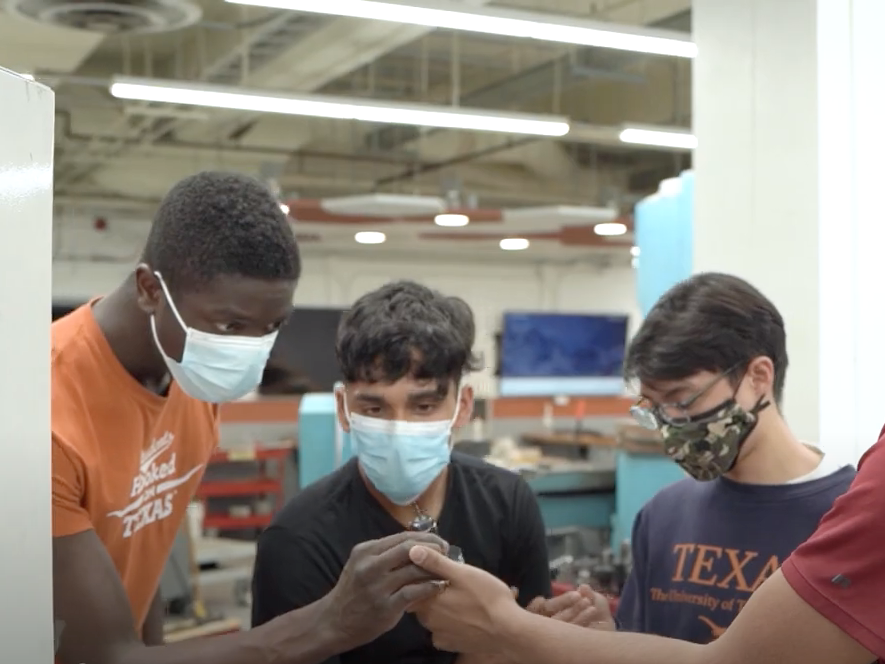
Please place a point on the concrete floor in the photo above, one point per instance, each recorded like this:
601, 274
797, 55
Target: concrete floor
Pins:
220, 600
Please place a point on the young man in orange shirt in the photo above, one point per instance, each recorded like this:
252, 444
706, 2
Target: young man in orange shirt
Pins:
136, 379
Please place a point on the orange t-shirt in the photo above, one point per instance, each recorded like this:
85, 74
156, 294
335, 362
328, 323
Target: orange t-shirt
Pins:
125, 461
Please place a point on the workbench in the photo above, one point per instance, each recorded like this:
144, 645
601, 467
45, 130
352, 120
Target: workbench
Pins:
225, 561
573, 494
183, 629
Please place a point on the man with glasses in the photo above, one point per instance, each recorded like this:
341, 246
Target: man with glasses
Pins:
404, 350
711, 361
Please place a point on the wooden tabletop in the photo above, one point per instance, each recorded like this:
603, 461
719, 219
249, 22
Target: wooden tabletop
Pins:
575, 438
176, 631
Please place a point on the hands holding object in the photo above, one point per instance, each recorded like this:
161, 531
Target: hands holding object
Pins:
464, 615
378, 585
468, 613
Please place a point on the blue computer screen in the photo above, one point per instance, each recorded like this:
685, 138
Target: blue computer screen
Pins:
562, 345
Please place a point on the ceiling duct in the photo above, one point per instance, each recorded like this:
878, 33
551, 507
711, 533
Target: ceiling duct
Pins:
109, 16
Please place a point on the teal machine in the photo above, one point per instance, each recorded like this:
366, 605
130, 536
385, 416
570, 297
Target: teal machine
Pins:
580, 496
322, 445
664, 227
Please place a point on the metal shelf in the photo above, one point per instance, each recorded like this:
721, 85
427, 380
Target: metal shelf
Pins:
227, 522
249, 487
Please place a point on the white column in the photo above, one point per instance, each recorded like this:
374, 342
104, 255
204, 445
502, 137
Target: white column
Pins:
26, 147
787, 110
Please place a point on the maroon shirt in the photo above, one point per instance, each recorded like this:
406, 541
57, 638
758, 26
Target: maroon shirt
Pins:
840, 570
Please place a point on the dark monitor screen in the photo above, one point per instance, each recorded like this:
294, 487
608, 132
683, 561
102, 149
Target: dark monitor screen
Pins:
303, 357
544, 345
60, 309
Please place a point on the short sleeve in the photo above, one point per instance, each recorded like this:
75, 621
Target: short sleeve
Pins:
838, 571
69, 516
630, 616
528, 564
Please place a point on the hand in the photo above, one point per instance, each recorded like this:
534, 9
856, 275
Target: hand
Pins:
602, 610
582, 607
377, 585
464, 616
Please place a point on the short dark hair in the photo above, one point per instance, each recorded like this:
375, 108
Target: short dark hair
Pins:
709, 322
215, 223
406, 329
463, 319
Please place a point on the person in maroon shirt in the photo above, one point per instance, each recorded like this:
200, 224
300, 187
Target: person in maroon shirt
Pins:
825, 606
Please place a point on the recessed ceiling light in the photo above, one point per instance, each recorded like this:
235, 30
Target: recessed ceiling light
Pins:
284, 208
634, 251
611, 228
370, 237
451, 220
514, 244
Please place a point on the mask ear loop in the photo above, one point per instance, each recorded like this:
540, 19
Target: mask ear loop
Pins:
338, 388
455, 417
170, 301
761, 402
457, 406
761, 405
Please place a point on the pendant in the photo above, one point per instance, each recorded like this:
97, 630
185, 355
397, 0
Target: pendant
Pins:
422, 524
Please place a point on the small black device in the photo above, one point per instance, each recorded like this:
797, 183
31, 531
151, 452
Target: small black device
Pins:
424, 523
455, 553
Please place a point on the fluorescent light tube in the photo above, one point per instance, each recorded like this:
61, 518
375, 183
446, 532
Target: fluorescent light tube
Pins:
421, 115
500, 21
682, 140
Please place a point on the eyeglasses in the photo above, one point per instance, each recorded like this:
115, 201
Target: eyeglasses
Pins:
652, 416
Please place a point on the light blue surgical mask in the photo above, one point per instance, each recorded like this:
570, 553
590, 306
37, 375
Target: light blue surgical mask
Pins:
401, 459
215, 367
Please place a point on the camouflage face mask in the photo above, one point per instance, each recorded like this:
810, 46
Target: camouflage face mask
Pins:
707, 446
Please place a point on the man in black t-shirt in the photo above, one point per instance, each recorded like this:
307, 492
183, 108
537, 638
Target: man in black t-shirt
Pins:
403, 350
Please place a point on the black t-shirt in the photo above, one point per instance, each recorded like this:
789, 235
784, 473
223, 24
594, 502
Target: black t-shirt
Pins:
489, 512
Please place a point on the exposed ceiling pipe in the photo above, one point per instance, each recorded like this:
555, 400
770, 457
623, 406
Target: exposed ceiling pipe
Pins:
454, 161
148, 130
563, 72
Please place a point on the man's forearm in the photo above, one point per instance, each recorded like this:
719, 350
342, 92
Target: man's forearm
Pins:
483, 659
530, 639
299, 637
152, 631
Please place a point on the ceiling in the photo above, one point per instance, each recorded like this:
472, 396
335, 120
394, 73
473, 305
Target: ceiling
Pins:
119, 158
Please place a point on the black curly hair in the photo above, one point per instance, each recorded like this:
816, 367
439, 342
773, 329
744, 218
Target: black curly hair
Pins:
215, 223
406, 329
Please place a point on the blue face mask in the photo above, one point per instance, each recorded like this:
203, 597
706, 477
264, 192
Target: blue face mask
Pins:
215, 367
400, 458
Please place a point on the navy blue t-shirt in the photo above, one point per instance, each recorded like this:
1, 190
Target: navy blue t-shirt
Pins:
701, 548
